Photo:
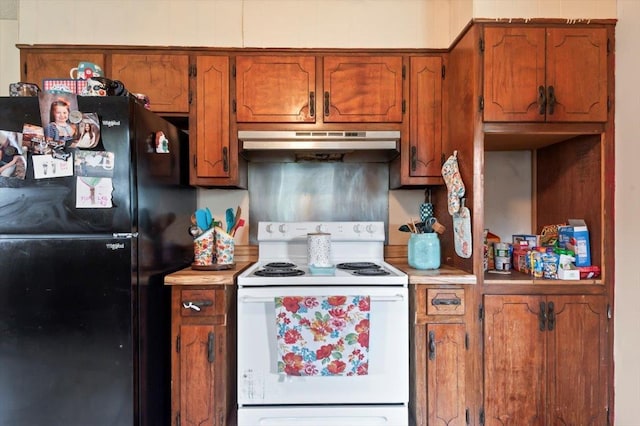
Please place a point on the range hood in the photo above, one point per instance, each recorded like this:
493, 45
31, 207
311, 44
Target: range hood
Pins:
359, 146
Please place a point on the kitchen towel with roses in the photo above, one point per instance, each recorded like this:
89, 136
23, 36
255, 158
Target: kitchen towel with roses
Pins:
323, 335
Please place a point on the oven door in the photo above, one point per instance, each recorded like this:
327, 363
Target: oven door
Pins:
387, 381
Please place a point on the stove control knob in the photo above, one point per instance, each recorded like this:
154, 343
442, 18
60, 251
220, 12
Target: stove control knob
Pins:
269, 228
371, 228
283, 228
321, 228
357, 228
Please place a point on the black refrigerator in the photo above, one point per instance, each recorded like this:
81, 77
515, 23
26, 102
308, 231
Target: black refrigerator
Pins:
84, 314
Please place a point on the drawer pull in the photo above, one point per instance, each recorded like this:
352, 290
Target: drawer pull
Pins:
447, 302
196, 305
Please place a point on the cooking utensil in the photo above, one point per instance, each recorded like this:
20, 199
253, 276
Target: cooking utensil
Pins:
239, 224
230, 219
203, 219
428, 224
426, 208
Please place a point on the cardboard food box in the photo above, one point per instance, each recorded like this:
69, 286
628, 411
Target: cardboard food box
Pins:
531, 240
569, 272
575, 237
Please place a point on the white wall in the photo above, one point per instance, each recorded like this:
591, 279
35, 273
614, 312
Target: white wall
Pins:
365, 23
627, 317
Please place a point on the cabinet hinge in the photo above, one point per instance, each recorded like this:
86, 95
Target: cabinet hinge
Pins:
195, 161
178, 418
466, 341
480, 312
404, 72
481, 417
609, 312
467, 416
481, 103
404, 106
190, 97
233, 71
481, 45
178, 343
194, 71
444, 71
233, 106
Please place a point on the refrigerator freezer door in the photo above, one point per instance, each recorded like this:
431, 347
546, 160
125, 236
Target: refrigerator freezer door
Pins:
67, 330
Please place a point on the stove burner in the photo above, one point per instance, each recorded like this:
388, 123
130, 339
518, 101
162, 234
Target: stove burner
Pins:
279, 265
371, 271
358, 266
279, 272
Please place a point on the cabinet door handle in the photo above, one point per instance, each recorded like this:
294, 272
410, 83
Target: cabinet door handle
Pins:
414, 158
196, 305
312, 104
326, 103
225, 159
542, 316
436, 302
542, 100
432, 345
210, 346
551, 313
551, 99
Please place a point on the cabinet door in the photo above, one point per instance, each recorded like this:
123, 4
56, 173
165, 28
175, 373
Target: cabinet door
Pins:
577, 74
446, 374
164, 78
210, 126
198, 374
37, 66
577, 354
362, 89
514, 361
275, 89
514, 74
424, 154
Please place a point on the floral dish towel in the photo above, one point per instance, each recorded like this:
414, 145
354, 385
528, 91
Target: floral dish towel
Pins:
323, 335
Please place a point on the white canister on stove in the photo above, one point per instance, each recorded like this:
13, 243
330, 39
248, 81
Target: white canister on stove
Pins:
319, 249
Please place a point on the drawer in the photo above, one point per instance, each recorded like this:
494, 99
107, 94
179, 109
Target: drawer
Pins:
445, 301
198, 302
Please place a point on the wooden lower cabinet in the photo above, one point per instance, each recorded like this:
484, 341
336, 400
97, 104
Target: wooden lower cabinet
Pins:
202, 361
439, 352
545, 360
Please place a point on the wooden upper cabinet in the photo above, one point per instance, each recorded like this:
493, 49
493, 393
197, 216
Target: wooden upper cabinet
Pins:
424, 151
209, 126
276, 89
363, 89
39, 65
163, 78
545, 74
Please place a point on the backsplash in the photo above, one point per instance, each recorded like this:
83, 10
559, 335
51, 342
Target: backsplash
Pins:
317, 192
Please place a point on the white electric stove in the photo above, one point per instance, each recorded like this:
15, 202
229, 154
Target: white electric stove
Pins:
266, 395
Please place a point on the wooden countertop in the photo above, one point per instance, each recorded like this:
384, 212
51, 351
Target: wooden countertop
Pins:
444, 275
188, 276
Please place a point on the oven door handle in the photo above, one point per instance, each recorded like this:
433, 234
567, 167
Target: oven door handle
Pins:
253, 299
